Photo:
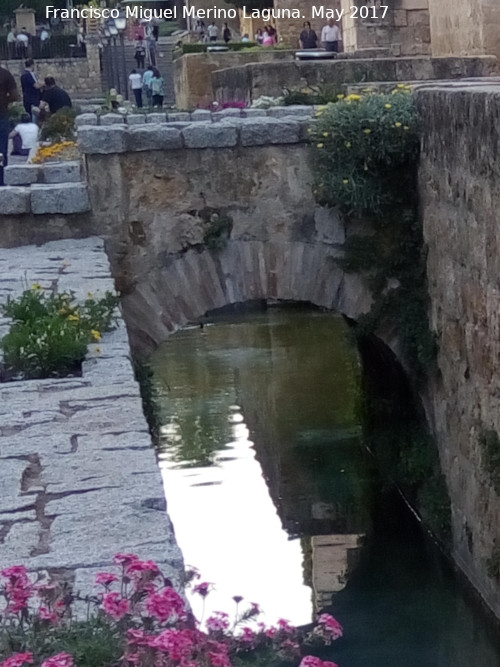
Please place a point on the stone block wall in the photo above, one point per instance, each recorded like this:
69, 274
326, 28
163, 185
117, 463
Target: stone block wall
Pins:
460, 199
465, 27
289, 29
193, 72
404, 31
80, 77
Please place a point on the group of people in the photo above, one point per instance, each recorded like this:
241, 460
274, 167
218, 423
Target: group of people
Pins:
40, 99
330, 37
19, 43
266, 36
150, 85
211, 33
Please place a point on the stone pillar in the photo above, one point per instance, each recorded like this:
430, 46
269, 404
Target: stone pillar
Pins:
94, 64
465, 27
404, 30
25, 18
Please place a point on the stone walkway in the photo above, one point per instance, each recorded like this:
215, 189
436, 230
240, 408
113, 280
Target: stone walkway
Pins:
79, 477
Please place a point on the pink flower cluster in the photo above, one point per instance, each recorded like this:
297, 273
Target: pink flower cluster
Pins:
159, 630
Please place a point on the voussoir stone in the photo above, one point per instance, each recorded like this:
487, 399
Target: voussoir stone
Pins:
14, 200
62, 198
61, 172
110, 139
21, 174
86, 119
154, 137
208, 135
261, 131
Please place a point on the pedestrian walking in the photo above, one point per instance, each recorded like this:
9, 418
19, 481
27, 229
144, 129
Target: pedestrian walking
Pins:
140, 52
146, 85
30, 87
226, 33
331, 36
135, 81
157, 88
213, 32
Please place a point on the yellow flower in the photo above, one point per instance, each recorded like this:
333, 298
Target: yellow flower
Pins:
322, 107
401, 85
345, 181
398, 124
309, 130
95, 334
354, 97
325, 134
348, 144
406, 127
340, 97
36, 286
388, 106
320, 113
73, 318
367, 130
319, 145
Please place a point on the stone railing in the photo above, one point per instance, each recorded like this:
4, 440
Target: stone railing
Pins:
113, 133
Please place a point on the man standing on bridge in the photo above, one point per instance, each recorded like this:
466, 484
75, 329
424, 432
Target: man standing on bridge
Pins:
8, 94
330, 36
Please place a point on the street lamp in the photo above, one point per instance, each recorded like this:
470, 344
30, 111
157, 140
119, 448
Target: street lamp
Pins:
120, 25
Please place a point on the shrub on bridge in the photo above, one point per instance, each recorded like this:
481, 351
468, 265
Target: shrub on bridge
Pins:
49, 333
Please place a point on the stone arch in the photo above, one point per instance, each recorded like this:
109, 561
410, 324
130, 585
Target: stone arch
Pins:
196, 282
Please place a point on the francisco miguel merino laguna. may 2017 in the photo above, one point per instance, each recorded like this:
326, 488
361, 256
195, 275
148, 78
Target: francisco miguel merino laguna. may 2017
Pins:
139, 12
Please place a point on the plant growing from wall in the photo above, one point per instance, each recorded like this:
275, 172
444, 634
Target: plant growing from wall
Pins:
218, 228
50, 332
365, 155
59, 126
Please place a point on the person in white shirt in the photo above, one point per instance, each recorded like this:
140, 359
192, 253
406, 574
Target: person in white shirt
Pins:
331, 36
213, 32
22, 43
11, 43
24, 137
135, 80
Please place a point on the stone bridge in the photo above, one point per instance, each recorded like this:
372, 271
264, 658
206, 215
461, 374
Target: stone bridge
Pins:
198, 213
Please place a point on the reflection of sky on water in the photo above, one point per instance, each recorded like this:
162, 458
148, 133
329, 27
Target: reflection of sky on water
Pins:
213, 524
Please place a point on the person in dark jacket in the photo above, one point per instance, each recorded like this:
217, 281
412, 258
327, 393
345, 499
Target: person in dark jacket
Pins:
30, 87
53, 97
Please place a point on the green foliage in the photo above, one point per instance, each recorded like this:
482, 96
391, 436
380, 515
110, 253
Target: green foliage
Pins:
324, 93
59, 126
202, 47
490, 446
15, 112
93, 643
49, 333
365, 161
218, 230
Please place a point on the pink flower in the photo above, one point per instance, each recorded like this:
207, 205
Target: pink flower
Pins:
17, 572
219, 659
202, 589
47, 615
248, 636
177, 644
330, 626
18, 659
137, 637
218, 622
311, 661
285, 626
105, 578
125, 559
115, 605
143, 566
59, 660
165, 604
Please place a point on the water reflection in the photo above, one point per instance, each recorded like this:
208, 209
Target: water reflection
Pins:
273, 497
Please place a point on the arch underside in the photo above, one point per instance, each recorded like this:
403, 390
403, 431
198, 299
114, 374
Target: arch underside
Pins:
189, 285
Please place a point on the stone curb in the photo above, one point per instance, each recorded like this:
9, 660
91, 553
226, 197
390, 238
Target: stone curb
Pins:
63, 198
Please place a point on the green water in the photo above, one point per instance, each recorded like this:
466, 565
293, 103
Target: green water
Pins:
274, 498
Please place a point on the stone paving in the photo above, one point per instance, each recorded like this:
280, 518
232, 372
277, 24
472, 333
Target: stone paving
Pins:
79, 476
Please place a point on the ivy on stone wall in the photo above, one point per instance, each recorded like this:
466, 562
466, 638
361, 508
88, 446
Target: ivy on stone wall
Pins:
365, 156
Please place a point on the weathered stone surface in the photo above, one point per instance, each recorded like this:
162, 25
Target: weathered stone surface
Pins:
111, 119
136, 119
291, 110
157, 117
62, 198
254, 113
227, 113
21, 174
209, 135
66, 450
199, 114
92, 140
179, 116
14, 200
86, 119
263, 131
154, 137
61, 172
